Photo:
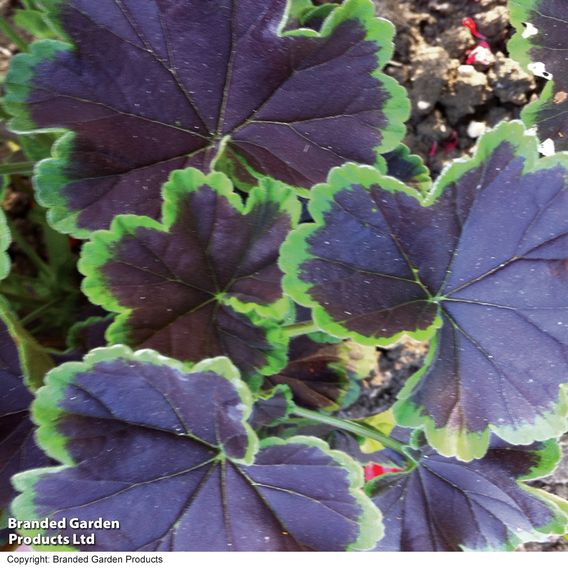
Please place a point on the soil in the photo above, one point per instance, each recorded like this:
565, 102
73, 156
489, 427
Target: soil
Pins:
453, 102
395, 366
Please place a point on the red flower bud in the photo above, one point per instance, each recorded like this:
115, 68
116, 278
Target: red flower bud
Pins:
373, 470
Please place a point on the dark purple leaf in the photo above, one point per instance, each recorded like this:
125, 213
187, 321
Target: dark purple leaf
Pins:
408, 168
540, 45
166, 451
324, 375
447, 505
84, 337
271, 408
206, 282
18, 450
89, 334
179, 81
486, 259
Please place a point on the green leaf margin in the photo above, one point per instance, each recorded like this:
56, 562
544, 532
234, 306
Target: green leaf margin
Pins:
547, 460
51, 174
99, 251
5, 236
422, 181
295, 250
34, 359
519, 47
473, 445
46, 414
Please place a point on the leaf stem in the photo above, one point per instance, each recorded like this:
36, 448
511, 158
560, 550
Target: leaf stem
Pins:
20, 168
29, 251
7, 29
355, 428
32, 316
303, 328
19, 297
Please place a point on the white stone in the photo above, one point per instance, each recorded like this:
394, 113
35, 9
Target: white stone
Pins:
476, 129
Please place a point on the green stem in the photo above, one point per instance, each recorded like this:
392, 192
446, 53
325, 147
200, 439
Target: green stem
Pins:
354, 428
20, 168
295, 329
19, 297
7, 29
36, 313
29, 251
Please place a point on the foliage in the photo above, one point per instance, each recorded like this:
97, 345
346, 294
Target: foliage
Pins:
256, 230
455, 513
539, 46
197, 458
478, 266
228, 80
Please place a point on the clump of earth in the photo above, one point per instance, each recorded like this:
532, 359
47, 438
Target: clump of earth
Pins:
460, 85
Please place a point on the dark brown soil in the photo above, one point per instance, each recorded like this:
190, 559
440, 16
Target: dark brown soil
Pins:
395, 366
452, 102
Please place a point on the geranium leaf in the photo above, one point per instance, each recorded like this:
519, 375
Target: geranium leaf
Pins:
5, 237
83, 337
384, 422
304, 14
18, 450
406, 167
189, 459
36, 23
323, 375
88, 335
486, 260
206, 281
271, 408
447, 505
195, 78
296, 11
539, 45
34, 361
